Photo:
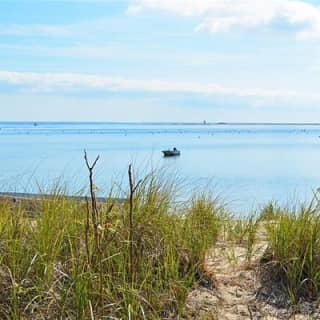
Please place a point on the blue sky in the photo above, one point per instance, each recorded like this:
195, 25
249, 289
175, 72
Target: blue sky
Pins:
160, 60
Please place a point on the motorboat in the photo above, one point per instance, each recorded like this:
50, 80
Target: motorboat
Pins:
171, 153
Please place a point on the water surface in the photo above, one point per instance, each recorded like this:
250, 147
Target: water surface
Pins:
248, 164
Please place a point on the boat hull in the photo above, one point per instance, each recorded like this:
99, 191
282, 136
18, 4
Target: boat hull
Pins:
171, 153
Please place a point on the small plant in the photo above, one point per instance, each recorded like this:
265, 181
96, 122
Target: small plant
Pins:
243, 232
270, 212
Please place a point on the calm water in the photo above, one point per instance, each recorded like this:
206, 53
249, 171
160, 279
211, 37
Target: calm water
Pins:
248, 164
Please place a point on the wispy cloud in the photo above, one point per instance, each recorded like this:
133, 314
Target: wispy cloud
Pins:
225, 15
72, 50
215, 16
79, 28
36, 29
73, 82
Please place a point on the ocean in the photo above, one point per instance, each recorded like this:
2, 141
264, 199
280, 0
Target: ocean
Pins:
245, 165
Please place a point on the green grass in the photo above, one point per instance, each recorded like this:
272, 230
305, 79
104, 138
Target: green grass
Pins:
138, 259
242, 232
56, 264
294, 241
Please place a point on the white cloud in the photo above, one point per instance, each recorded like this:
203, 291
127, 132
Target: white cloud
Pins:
225, 15
73, 82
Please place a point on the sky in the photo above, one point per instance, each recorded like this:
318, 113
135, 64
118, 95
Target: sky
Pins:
160, 60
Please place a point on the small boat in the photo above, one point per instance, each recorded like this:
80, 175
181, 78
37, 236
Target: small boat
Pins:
171, 153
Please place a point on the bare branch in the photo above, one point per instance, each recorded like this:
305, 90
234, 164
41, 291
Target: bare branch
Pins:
96, 217
87, 228
133, 189
90, 168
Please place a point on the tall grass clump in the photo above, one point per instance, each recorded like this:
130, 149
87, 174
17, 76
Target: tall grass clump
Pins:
243, 232
203, 221
129, 259
270, 211
294, 245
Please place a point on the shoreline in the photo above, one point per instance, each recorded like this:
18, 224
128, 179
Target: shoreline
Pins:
21, 196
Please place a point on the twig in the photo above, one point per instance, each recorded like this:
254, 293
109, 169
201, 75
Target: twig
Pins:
87, 229
94, 213
95, 221
250, 312
133, 189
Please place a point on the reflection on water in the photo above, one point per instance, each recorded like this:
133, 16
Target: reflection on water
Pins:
247, 164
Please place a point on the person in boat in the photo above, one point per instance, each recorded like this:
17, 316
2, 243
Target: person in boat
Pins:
174, 149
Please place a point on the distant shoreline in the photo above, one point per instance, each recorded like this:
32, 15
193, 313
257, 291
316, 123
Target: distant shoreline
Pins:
167, 123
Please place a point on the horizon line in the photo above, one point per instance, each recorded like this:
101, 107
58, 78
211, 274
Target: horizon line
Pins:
204, 123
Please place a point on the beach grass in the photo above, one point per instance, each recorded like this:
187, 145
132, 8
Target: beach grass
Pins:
294, 249
136, 259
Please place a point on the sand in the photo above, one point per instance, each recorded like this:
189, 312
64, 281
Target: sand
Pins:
237, 288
